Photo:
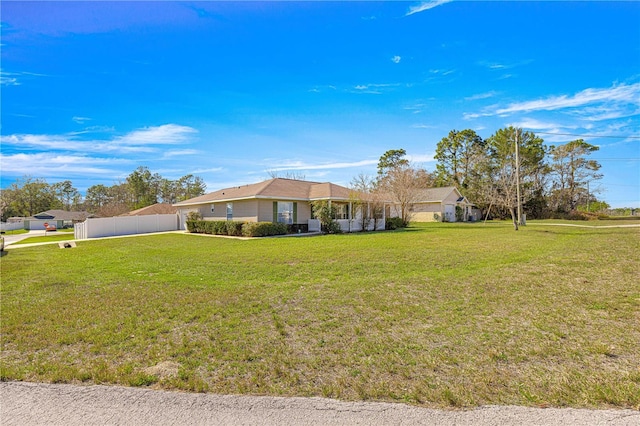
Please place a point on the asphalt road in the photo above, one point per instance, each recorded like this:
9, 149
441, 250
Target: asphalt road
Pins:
27, 404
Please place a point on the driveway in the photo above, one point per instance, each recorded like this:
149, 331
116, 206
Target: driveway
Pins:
27, 404
10, 239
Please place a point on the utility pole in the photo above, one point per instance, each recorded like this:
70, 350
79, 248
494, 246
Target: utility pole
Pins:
518, 179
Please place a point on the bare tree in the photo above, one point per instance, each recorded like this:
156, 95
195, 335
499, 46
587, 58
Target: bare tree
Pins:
402, 184
367, 200
289, 174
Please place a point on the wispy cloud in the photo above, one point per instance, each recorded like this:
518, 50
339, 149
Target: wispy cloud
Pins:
426, 5
142, 140
617, 93
45, 164
504, 66
299, 165
179, 152
396, 59
374, 89
421, 158
167, 134
480, 96
80, 120
11, 78
594, 104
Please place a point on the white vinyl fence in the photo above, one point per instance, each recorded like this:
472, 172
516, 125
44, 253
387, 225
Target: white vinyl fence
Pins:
11, 226
125, 225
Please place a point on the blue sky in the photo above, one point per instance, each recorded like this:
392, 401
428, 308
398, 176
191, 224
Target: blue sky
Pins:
230, 91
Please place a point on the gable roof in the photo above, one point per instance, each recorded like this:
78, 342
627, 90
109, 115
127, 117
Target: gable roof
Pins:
277, 188
436, 195
61, 215
158, 208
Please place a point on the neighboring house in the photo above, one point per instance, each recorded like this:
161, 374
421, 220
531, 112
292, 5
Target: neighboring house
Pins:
57, 218
159, 208
445, 204
276, 200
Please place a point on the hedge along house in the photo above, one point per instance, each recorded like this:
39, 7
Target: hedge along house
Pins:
445, 204
281, 200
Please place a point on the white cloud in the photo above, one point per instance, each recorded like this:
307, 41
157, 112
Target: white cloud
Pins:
426, 5
620, 93
421, 158
479, 96
299, 165
179, 152
593, 104
375, 89
45, 164
143, 140
80, 120
167, 134
396, 59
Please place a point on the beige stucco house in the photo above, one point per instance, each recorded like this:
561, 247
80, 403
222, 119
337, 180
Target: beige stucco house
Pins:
439, 205
275, 200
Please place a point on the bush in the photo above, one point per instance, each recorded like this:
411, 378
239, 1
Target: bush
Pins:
392, 223
263, 229
332, 227
215, 227
234, 229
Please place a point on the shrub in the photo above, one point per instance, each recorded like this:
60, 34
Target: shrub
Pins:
332, 227
392, 223
234, 229
215, 227
263, 229
194, 216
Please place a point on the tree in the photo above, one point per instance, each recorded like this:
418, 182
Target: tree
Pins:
390, 160
66, 193
572, 171
190, 186
96, 197
28, 196
499, 168
458, 157
290, 174
367, 201
402, 184
325, 212
144, 187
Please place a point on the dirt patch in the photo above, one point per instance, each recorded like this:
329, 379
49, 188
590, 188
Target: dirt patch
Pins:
163, 370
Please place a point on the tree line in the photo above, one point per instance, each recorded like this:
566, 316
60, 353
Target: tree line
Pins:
554, 180
28, 196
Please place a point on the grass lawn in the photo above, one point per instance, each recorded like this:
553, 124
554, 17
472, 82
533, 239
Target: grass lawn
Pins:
437, 315
45, 239
15, 232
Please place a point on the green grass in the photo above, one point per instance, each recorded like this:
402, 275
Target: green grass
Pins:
437, 315
45, 239
15, 232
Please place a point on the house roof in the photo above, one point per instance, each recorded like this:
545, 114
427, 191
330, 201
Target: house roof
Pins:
277, 188
159, 208
432, 195
61, 215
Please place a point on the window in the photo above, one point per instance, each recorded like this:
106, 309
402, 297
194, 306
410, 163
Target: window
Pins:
285, 212
342, 211
213, 207
229, 211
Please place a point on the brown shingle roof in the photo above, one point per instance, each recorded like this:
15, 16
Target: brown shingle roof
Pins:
159, 208
435, 194
288, 189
